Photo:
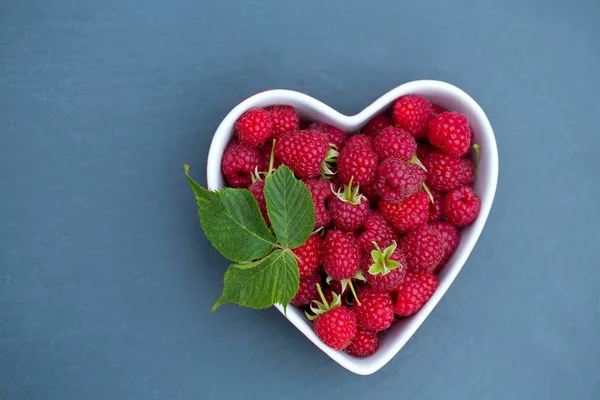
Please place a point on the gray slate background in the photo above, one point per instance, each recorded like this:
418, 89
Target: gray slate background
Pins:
106, 279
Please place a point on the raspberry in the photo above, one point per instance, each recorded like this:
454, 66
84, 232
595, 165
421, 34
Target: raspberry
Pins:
384, 269
409, 213
364, 344
254, 127
307, 290
334, 324
348, 209
437, 110
320, 191
461, 206
422, 248
336, 136
413, 113
398, 179
435, 209
414, 292
378, 123
446, 172
303, 152
285, 119
423, 150
310, 255
358, 162
341, 255
257, 190
394, 142
376, 228
450, 239
238, 163
376, 309
361, 140
450, 133
336, 328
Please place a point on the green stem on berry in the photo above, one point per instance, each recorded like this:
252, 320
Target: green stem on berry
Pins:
318, 230
353, 291
415, 160
322, 295
426, 189
272, 157
476, 148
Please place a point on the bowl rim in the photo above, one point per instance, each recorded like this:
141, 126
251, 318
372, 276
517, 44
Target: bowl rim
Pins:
215, 181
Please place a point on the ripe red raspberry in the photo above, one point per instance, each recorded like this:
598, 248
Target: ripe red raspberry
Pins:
334, 324
450, 133
376, 228
384, 269
446, 172
422, 248
307, 290
364, 344
254, 127
414, 292
336, 328
395, 142
413, 113
358, 162
409, 213
285, 119
310, 255
239, 163
348, 209
341, 255
377, 124
435, 210
265, 157
303, 152
335, 136
398, 179
461, 206
437, 110
320, 191
361, 140
257, 190
376, 309
450, 239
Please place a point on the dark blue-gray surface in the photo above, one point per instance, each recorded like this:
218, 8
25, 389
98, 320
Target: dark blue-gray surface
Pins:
106, 279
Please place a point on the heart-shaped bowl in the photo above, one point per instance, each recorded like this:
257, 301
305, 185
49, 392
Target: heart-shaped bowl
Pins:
441, 93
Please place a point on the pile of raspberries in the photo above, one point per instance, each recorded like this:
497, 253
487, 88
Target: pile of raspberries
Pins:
389, 204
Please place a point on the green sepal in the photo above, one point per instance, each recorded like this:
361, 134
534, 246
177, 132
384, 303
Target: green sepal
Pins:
382, 262
321, 307
331, 157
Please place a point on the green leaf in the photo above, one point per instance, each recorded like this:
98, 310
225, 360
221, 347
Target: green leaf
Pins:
232, 222
260, 284
290, 208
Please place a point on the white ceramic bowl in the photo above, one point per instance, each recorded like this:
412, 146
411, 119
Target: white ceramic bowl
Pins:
444, 94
